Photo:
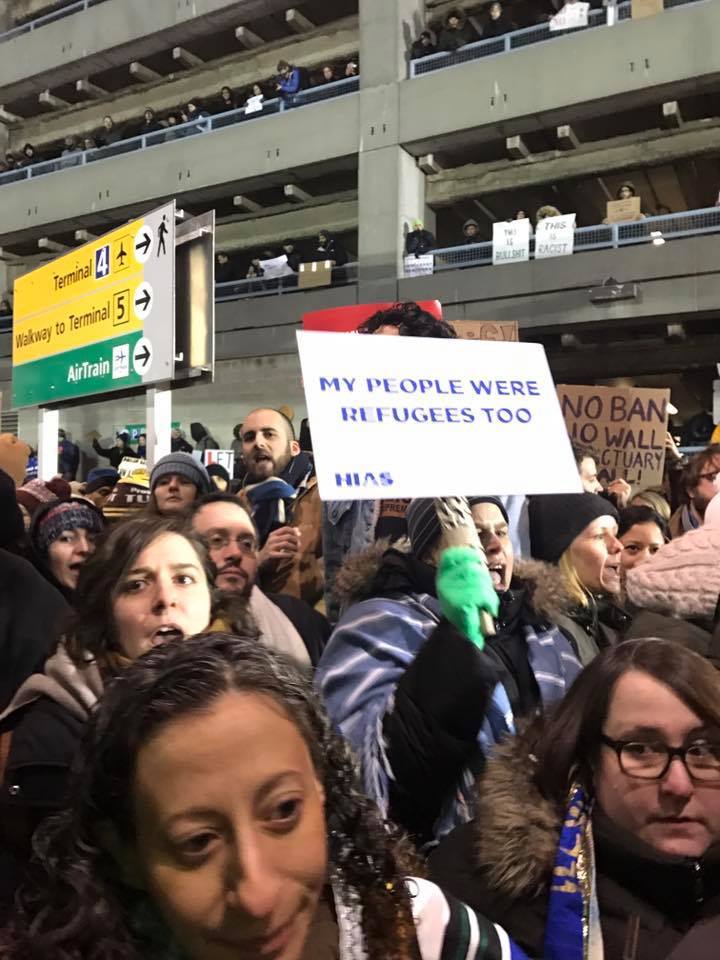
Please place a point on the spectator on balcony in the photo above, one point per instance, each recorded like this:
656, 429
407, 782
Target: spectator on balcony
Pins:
419, 241
11, 162
171, 121
471, 231
291, 254
256, 100
150, 123
497, 23
71, 152
457, 32
226, 101
543, 213
224, 269
328, 248
109, 133
424, 46
351, 68
28, 156
327, 74
290, 80
90, 143
194, 110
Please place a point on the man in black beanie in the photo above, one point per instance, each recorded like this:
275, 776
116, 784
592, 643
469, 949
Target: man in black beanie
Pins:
418, 702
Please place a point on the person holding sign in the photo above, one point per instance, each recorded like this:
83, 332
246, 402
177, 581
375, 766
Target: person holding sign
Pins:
576, 533
414, 685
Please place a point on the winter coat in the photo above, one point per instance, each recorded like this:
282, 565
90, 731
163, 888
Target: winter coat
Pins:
302, 576
180, 445
419, 242
68, 459
31, 618
40, 733
418, 50
202, 438
502, 866
292, 83
589, 629
497, 28
419, 703
451, 40
114, 454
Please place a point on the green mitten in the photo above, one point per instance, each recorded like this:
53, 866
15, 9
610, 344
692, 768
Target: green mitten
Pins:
464, 589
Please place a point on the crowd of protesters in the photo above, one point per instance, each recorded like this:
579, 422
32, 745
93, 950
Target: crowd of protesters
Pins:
236, 721
286, 84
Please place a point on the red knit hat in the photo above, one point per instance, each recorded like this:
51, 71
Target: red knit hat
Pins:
35, 493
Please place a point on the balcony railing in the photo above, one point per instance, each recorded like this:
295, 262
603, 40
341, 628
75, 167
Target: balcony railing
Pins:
51, 17
262, 287
521, 38
672, 226
200, 125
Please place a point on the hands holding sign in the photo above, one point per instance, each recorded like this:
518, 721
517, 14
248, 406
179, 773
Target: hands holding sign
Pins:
465, 590
282, 544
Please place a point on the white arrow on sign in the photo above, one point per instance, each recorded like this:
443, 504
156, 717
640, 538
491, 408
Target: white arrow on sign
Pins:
143, 300
142, 356
144, 242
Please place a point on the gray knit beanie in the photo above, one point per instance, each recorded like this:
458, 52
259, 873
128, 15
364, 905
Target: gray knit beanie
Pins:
183, 465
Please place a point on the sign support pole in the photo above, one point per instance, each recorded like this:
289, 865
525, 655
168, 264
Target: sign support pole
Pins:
48, 426
158, 418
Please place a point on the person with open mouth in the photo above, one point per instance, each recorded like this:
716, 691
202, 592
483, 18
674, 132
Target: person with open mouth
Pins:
576, 534
429, 699
147, 584
63, 535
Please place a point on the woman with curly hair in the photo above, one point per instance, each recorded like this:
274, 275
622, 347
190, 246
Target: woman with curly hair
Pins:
217, 817
148, 582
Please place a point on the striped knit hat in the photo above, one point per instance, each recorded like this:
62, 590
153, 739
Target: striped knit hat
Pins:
55, 518
424, 527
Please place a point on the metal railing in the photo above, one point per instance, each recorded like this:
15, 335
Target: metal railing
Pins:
77, 7
267, 287
520, 38
672, 226
201, 124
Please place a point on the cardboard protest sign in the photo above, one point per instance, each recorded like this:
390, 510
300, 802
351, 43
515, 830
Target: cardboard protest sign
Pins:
571, 16
511, 241
276, 267
226, 458
419, 266
346, 319
315, 274
620, 211
555, 237
507, 331
625, 428
646, 8
485, 413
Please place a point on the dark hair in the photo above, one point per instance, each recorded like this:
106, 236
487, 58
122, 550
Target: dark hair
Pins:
630, 186
631, 516
93, 627
79, 907
237, 431
581, 453
411, 321
566, 740
282, 64
695, 466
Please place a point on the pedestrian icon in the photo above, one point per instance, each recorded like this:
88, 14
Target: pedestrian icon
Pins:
143, 300
162, 233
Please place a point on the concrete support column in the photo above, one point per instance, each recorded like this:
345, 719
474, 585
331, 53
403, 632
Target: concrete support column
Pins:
391, 188
391, 193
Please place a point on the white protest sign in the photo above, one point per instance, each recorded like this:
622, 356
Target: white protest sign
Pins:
555, 237
511, 241
276, 267
418, 417
573, 14
226, 458
254, 104
419, 266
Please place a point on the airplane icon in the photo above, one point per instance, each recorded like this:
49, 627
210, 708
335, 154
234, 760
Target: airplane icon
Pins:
121, 255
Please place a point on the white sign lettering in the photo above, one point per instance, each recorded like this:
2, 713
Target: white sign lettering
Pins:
487, 413
555, 237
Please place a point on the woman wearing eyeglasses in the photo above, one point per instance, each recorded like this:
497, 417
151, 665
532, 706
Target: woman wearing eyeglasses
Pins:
598, 830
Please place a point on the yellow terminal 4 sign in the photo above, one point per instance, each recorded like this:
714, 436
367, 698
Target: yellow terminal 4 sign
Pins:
100, 318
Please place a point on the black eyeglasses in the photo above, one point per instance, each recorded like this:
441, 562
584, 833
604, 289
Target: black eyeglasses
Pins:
247, 544
650, 760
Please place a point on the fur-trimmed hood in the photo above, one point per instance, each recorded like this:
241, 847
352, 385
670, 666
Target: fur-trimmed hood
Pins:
548, 595
516, 827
